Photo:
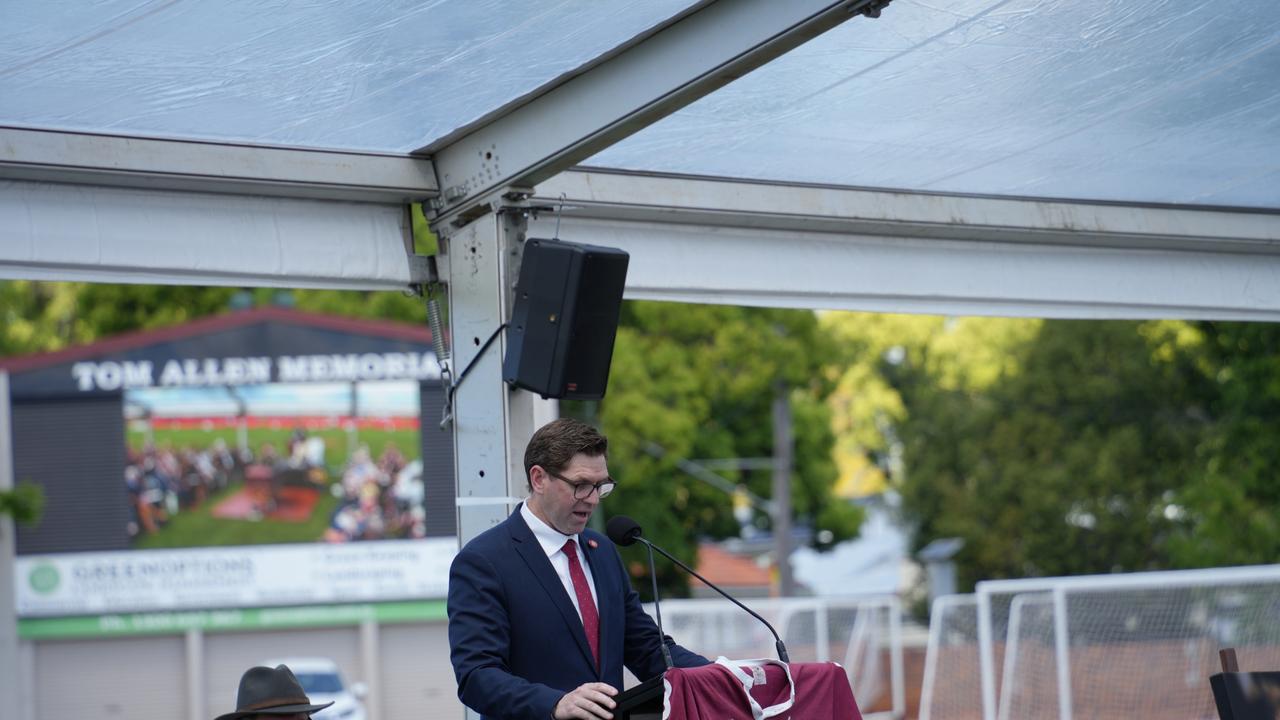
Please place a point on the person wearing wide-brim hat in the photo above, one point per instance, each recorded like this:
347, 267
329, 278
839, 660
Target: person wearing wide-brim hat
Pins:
272, 693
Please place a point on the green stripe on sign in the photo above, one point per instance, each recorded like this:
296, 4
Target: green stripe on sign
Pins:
168, 623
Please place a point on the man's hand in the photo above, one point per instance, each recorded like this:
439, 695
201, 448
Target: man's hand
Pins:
587, 702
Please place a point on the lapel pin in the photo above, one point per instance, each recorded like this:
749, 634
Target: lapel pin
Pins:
592, 544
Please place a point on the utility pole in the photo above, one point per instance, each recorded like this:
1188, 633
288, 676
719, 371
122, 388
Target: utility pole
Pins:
783, 450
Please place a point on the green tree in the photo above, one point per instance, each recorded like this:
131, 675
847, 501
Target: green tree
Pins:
24, 503
1231, 506
374, 305
953, 353
38, 317
1068, 463
41, 317
103, 310
698, 381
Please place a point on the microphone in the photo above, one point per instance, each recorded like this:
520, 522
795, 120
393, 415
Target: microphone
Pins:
624, 531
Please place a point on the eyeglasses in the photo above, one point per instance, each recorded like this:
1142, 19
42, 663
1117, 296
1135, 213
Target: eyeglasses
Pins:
583, 490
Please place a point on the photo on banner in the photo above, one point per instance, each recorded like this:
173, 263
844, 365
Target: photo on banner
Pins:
274, 463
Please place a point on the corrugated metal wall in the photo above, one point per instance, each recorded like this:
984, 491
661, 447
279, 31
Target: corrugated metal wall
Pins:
417, 679
75, 449
437, 464
122, 678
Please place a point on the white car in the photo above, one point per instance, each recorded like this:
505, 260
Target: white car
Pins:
323, 682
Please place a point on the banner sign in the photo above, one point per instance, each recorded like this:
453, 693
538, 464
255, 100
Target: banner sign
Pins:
234, 350
244, 619
111, 375
94, 583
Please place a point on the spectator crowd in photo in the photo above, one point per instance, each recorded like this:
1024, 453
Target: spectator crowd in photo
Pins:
161, 481
375, 500
378, 500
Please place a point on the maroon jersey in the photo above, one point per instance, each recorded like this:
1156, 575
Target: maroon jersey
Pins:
757, 690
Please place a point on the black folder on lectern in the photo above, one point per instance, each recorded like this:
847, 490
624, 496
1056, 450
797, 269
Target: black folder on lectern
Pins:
1243, 695
642, 702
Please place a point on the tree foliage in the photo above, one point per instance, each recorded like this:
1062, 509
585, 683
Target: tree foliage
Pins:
1089, 447
1065, 466
24, 503
41, 317
366, 304
867, 406
698, 382
1232, 503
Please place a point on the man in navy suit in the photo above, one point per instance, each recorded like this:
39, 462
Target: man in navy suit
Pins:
542, 615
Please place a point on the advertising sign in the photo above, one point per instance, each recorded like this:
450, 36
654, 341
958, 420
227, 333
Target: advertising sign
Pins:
253, 460
196, 578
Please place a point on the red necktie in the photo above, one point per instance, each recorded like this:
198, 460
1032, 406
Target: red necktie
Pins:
587, 606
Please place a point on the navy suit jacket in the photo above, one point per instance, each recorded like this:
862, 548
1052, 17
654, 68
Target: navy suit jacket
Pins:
516, 642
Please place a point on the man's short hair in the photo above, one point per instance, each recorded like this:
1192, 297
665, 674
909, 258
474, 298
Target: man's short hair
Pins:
554, 445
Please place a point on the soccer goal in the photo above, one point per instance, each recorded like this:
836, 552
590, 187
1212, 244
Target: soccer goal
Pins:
951, 688
1138, 645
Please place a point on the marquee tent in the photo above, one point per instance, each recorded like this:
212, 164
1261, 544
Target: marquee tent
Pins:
1113, 159
1013, 157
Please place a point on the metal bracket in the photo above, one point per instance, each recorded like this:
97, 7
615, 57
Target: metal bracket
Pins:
516, 195
442, 265
428, 270
515, 219
505, 200
869, 8
420, 270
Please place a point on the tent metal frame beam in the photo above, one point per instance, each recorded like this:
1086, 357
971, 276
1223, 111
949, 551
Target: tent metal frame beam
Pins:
727, 202
96, 233
205, 167
102, 208
619, 93
491, 422
696, 239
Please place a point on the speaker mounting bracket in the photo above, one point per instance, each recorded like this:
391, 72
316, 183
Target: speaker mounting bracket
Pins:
517, 194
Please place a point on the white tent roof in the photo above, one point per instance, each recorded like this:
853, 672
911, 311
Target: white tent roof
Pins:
367, 75
1145, 101
1024, 157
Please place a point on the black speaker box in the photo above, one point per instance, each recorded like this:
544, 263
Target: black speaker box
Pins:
560, 341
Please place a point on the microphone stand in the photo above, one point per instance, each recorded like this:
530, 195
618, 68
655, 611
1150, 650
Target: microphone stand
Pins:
657, 609
782, 649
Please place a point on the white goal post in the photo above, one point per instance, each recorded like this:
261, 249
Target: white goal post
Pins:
1138, 645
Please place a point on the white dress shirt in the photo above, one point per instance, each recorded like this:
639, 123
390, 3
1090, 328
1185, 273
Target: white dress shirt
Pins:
552, 542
